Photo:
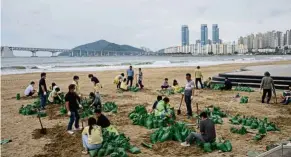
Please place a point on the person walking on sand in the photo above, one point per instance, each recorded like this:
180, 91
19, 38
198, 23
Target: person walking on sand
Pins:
76, 83
207, 132
267, 85
188, 94
72, 107
130, 75
42, 92
140, 77
198, 77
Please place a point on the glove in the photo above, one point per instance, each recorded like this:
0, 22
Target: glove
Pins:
80, 106
44, 93
191, 97
69, 113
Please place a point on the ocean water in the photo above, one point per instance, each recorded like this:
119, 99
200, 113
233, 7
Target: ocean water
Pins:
20, 65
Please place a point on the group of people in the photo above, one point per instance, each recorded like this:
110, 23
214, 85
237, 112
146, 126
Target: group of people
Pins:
124, 83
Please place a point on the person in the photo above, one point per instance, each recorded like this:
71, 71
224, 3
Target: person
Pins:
124, 86
96, 100
140, 77
96, 83
53, 85
207, 132
77, 85
198, 77
163, 107
188, 94
92, 136
227, 84
104, 122
267, 85
207, 83
176, 86
165, 84
286, 97
72, 107
159, 98
29, 91
54, 94
118, 79
42, 92
130, 74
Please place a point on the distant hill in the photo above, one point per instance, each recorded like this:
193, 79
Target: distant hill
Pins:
105, 46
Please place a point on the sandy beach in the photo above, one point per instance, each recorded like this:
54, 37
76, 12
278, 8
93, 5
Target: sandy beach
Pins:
25, 143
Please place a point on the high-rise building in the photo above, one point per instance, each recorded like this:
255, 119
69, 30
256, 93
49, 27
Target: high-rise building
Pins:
215, 34
204, 34
185, 35
288, 37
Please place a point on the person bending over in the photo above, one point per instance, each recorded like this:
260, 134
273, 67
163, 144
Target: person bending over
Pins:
29, 91
163, 108
207, 132
207, 83
124, 86
92, 136
176, 86
165, 84
96, 100
286, 97
118, 79
54, 95
104, 122
159, 98
227, 84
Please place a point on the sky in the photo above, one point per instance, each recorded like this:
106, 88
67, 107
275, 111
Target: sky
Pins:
154, 24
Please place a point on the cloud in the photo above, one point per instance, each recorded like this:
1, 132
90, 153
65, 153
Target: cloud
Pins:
151, 23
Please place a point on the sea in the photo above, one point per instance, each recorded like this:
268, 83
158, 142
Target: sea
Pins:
21, 65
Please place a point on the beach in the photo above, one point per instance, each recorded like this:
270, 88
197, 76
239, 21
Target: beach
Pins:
21, 128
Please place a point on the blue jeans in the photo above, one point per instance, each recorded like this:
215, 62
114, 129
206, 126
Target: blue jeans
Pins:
89, 146
193, 136
42, 101
74, 118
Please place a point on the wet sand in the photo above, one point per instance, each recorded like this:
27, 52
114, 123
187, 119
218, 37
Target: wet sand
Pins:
21, 129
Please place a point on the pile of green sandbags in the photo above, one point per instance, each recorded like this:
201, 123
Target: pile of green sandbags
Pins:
215, 115
110, 107
254, 123
217, 86
140, 116
114, 146
175, 132
27, 110
133, 89
244, 89
244, 99
224, 146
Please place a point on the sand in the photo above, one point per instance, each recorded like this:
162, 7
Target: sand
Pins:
26, 142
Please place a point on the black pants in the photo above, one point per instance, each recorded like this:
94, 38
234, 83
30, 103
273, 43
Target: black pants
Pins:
129, 78
140, 84
200, 81
265, 91
118, 85
188, 105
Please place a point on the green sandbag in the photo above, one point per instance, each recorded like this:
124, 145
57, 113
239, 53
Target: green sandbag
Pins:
147, 145
154, 137
270, 128
134, 150
93, 153
114, 154
109, 150
258, 137
101, 152
254, 125
17, 96
248, 122
121, 152
161, 123
262, 130
221, 146
132, 115
149, 123
166, 136
213, 145
141, 121
155, 123
228, 146
207, 147
177, 135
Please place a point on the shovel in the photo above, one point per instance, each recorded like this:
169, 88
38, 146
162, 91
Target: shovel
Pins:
43, 130
179, 110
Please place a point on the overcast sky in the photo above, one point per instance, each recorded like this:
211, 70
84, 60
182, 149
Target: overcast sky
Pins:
154, 24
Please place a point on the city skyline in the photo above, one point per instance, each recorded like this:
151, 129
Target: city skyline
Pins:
151, 24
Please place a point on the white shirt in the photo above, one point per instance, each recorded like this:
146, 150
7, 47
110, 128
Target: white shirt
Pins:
29, 89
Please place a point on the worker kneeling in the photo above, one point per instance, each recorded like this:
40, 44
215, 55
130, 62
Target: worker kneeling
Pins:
163, 108
207, 132
104, 122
